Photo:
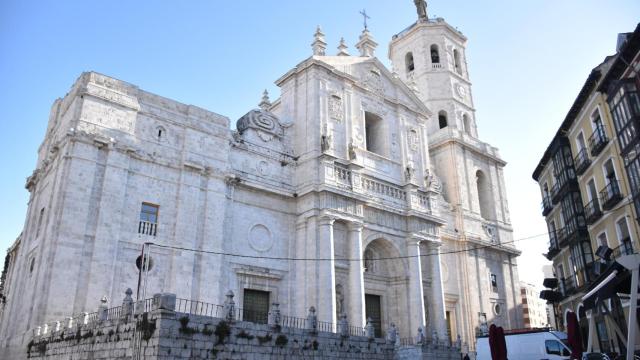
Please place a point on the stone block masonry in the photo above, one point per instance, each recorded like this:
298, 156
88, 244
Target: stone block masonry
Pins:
164, 334
160, 332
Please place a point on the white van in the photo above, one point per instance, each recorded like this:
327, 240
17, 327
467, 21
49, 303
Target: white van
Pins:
537, 344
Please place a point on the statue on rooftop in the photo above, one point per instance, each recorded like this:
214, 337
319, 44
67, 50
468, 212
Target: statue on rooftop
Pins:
421, 6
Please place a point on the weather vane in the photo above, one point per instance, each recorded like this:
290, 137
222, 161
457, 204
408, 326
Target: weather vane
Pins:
365, 16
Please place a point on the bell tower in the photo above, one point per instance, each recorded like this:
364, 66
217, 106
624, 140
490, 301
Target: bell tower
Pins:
429, 56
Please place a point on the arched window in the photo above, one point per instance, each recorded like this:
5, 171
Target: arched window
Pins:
466, 124
435, 54
408, 61
484, 195
456, 61
442, 119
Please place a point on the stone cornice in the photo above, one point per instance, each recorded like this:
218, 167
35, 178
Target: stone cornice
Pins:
468, 146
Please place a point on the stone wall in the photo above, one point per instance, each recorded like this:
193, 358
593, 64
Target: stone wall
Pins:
166, 334
163, 333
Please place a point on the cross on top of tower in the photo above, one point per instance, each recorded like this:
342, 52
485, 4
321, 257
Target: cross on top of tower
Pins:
365, 16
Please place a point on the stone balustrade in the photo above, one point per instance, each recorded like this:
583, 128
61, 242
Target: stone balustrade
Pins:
409, 197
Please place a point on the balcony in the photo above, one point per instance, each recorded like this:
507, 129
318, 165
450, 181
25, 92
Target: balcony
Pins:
554, 249
598, 140
567, 285
592, 211
625, 248
565, 181
561, 236
624, 102
582, 161
611, 195
147, 228
546, 206
576, 229
577, 281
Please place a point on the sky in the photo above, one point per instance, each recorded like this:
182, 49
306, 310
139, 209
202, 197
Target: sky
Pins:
527, 61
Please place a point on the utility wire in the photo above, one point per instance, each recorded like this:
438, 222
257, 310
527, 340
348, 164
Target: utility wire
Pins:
624, 203
343, 259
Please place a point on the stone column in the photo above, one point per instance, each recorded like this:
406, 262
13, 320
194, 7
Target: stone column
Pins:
326, 269
437, 293
416, 294
355, 294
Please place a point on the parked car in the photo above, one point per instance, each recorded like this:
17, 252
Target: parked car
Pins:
529, 344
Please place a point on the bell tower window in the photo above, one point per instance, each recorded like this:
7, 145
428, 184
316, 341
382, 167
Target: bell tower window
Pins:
456, 61
408, 60
484, 195
374, 133
435, 55
466, 124
442, 119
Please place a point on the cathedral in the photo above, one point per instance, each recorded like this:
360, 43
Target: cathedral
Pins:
360, 190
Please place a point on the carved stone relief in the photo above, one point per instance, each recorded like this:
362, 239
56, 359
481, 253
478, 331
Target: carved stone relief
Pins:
336, 108
491, 232
264, 122
412, 139
263, 168
394, 144
373, 81
341, 204
383, 218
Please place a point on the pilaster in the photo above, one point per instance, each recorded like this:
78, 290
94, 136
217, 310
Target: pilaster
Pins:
416, 294
355, 299
437, 292
326, 288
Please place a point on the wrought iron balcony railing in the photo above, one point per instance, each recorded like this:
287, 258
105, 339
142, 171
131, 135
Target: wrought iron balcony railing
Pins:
625, 248
582, 161
598, 140
610, 195
592, 211
546, 205
554, 247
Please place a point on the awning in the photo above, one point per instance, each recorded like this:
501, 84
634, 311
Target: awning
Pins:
615, 279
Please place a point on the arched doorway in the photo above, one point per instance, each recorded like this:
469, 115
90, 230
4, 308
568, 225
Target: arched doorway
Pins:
385, 286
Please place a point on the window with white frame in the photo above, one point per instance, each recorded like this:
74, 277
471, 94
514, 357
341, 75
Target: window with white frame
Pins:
602, 239
580, 143
148, 224
596, 120
624, 236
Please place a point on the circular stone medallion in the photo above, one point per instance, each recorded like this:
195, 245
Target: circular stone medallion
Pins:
260, 238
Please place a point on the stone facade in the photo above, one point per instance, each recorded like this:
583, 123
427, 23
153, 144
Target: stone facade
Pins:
348, 163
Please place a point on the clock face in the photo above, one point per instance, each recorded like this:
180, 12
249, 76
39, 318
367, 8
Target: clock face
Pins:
461, 91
